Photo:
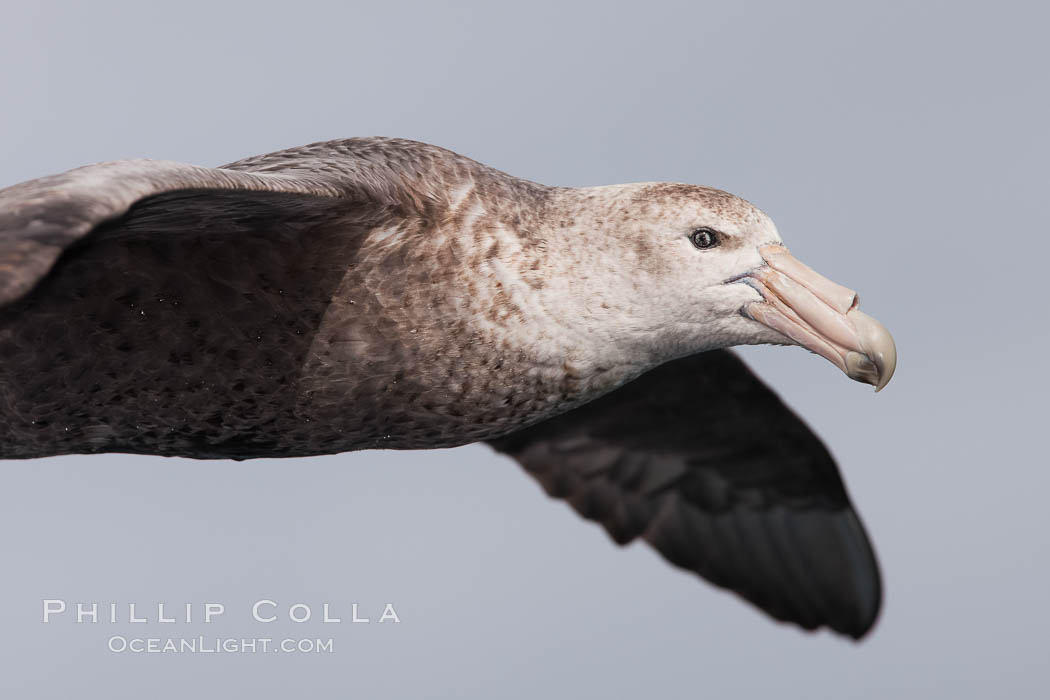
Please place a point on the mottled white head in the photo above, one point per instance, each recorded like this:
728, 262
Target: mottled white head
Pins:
653, 271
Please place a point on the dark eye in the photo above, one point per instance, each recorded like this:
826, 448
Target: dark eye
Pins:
704, 238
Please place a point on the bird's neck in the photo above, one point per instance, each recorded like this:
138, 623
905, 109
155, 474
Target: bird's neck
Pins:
588, 301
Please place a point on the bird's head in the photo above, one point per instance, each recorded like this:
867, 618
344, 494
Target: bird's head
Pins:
697, 268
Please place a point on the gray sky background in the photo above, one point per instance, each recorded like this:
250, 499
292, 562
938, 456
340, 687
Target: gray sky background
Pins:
900, 147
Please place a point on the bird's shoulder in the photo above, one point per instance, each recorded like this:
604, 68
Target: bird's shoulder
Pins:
377, 177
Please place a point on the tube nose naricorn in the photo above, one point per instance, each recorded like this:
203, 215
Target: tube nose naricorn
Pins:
822, 316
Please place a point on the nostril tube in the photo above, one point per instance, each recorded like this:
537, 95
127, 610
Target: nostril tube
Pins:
840, 298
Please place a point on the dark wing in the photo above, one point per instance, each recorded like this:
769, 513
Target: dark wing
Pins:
704, 462
150, 306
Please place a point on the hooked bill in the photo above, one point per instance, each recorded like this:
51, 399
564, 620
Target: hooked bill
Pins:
820, 315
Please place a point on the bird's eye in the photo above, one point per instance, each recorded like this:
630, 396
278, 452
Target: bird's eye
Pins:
704, 238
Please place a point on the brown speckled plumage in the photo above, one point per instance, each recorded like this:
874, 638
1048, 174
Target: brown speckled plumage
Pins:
243, 324
385, 293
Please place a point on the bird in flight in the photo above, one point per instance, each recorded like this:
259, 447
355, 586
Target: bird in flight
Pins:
383, 293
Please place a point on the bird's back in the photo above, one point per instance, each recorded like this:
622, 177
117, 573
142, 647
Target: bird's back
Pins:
180, 328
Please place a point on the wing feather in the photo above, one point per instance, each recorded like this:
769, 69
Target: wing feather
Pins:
707, 465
